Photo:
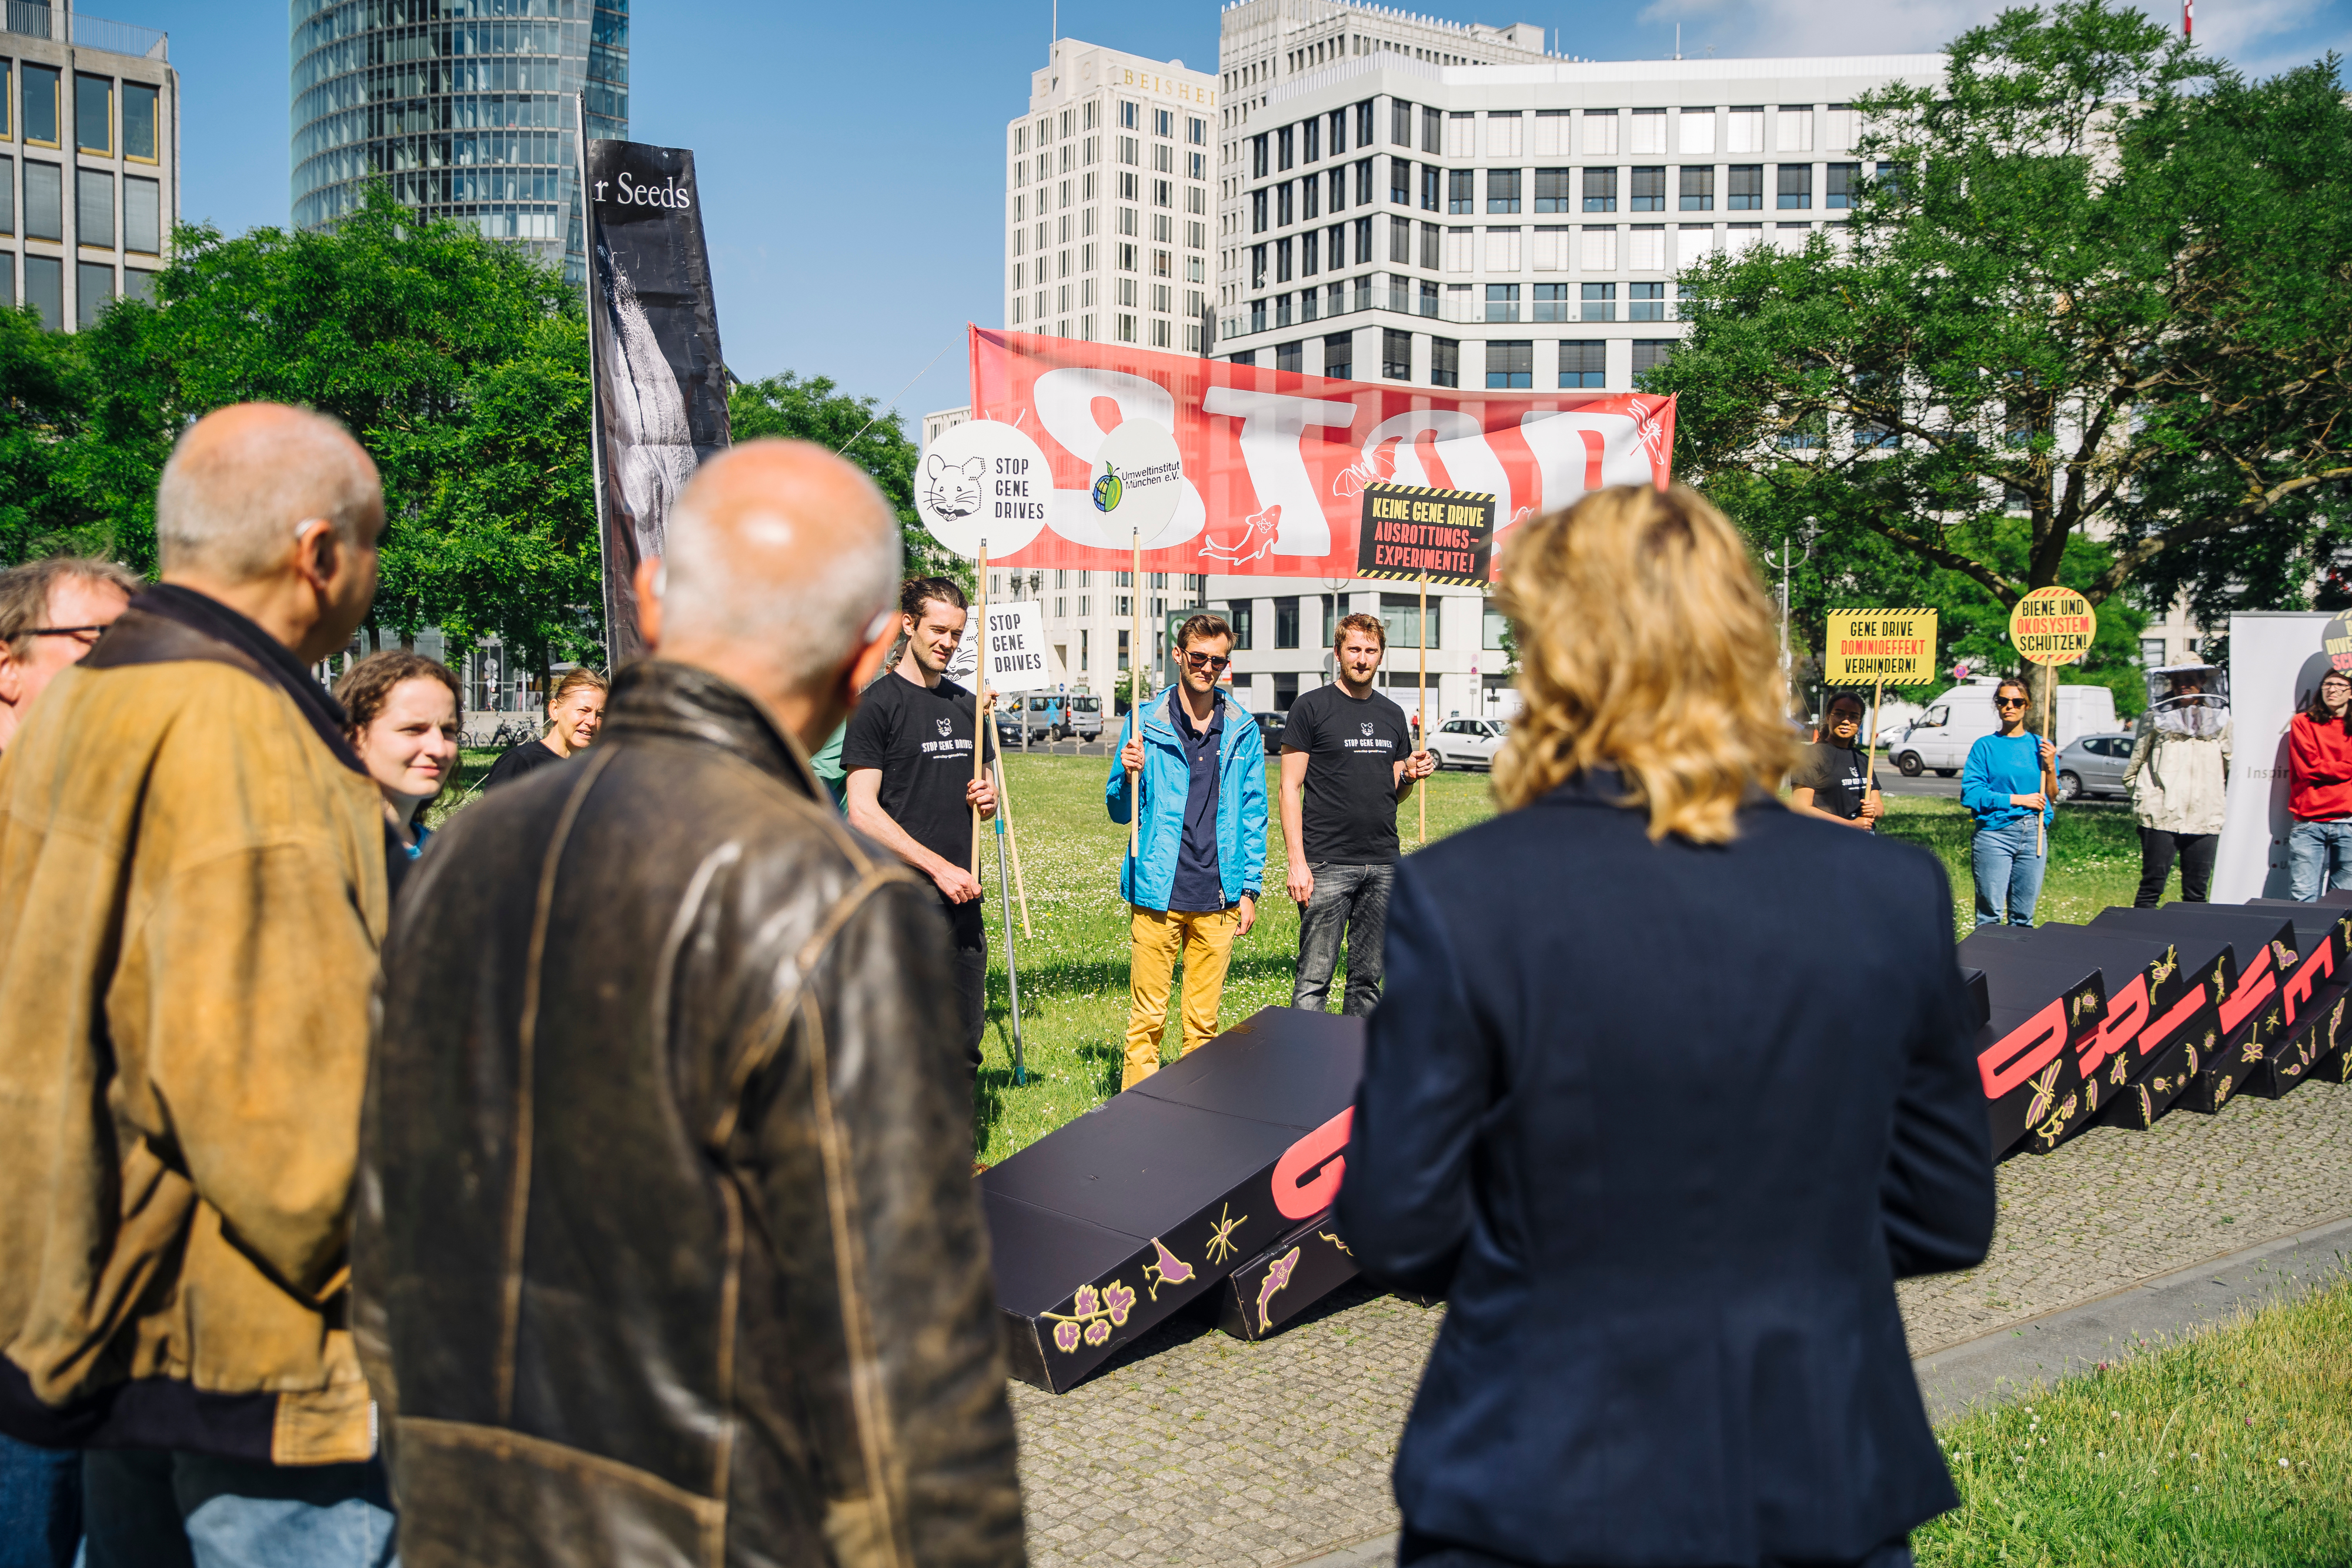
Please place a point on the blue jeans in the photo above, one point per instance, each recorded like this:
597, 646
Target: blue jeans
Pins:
2318, 859
1353, 901
40, 1505
152, 1509
2008, 872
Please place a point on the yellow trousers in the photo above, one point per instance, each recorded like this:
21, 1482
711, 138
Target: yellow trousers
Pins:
1157, 938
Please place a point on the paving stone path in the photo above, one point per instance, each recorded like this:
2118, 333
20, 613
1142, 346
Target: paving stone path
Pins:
1199, 1449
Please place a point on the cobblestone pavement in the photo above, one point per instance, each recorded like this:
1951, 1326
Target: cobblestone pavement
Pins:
1198, 1448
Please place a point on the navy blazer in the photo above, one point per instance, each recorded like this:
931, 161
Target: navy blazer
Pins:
1666, 1121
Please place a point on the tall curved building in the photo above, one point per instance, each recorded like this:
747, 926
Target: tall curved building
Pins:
463, 107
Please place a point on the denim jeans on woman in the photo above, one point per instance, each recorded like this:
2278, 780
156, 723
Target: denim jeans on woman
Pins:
147, 1509
2009, 870
1353, 901
40, 1505
2318, 858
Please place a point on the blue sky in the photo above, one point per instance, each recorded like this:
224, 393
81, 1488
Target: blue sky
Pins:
849, 159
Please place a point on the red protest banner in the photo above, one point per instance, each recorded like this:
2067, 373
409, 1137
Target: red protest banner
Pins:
1077, 452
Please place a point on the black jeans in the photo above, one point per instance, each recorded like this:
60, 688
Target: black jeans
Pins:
1427, 1552
970, 961
1350, 901
2157, 849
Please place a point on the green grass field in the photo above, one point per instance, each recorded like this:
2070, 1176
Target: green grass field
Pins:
2231, 1449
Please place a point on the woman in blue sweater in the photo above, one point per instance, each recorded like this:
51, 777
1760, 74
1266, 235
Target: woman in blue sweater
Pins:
2002, 785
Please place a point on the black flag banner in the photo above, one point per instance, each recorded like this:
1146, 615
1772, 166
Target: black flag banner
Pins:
1411, 532
661, 389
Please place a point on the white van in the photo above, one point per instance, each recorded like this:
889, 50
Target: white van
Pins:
1940, 739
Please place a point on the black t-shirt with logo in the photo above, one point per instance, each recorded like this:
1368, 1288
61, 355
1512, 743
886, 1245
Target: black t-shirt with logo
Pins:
1352, 746
1835, 774
920, 738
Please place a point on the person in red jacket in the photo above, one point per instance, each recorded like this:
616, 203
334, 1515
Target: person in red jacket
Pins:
2319, 793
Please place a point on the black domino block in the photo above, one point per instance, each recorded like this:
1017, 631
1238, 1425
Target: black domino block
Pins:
1256, 1300
2252, 1008
2043, 1012
2153, 999
1106, 1226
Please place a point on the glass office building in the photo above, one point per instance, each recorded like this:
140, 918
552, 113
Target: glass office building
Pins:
462, 107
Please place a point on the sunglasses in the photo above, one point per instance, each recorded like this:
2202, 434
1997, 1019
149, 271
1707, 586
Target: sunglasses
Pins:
1206, 661
2009, 702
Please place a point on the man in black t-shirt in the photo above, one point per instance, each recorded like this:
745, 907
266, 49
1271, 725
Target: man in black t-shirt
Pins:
908, 755
1350, 751
1832, 780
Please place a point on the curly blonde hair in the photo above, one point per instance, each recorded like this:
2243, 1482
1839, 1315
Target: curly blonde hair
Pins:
1647, 645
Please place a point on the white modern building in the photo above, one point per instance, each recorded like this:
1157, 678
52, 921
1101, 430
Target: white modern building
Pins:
89, 161
1106, 200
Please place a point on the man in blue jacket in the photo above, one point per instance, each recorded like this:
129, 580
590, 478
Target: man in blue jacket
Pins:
1194, 876
2002, 786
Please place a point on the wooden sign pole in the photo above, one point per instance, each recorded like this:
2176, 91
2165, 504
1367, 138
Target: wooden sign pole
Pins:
1870, 758
1422, 741
1135, 694
2049, 770
980, 703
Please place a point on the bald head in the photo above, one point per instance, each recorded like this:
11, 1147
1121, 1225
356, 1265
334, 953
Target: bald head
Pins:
242, 481
783, 551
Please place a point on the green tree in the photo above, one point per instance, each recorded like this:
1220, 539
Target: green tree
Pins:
2035, 338
813, 409
44, 393
460, 363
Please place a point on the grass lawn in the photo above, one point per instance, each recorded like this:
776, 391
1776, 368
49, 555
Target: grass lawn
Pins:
2230, 1449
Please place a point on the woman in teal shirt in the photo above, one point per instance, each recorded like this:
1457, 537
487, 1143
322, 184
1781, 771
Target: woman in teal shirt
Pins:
2002, 786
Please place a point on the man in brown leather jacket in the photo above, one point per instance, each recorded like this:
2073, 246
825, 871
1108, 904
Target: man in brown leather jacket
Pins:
667, 1247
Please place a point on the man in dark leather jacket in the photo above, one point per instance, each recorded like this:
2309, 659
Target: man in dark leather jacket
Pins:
667, 1247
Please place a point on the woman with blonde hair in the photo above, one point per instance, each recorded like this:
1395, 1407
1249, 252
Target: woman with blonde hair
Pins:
575, 711
1669, 1086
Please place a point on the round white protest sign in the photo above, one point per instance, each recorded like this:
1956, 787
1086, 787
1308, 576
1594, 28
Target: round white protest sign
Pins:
982, 480
1136, 480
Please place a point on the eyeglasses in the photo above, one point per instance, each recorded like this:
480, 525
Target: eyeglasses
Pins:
2009, 702
87, 636
1205, 661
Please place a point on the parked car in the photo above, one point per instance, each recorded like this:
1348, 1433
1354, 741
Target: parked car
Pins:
1269, 729
2094, 765
1085, 718
1468, 742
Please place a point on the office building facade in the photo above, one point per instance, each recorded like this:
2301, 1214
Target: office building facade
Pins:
89, 161
463, 109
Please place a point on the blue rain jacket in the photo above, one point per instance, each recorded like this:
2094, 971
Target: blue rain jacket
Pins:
1145, 878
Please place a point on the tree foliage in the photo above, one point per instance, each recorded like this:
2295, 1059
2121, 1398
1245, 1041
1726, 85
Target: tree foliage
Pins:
812, 409
2086, 328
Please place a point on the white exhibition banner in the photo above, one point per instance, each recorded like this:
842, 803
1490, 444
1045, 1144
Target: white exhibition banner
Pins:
1016, 647
2275, 661
1016, 650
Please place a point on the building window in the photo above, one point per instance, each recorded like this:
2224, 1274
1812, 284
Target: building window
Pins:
1285, 623
2151, 651
1428, 303
1502, 304
1647, 193
1433, 130
1510, 366
1600, 302
140, 136
1283, 215
1257, 157
1285, 148
1363, 123
94, 210
1796, 186
41, 109
94, 285
1400, 183
1258, 214
1282, 261
1698, 190
1491, 625
1461, 192
1553, 190
1400, 122
1400, 241
45, 207
1128, 109
1248, 356
1645, 302
1844, 185
1551, 302
1502, 190
1444, 362
1429, 173
1196, 132
1601, 190
1400, 614
1238, 616
1310, 140
1890, 175
1584, 364
1290, 356
1744, 194
45, 286
1396, 354
94, 125
1339, 356
1649, 353
1432, 238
